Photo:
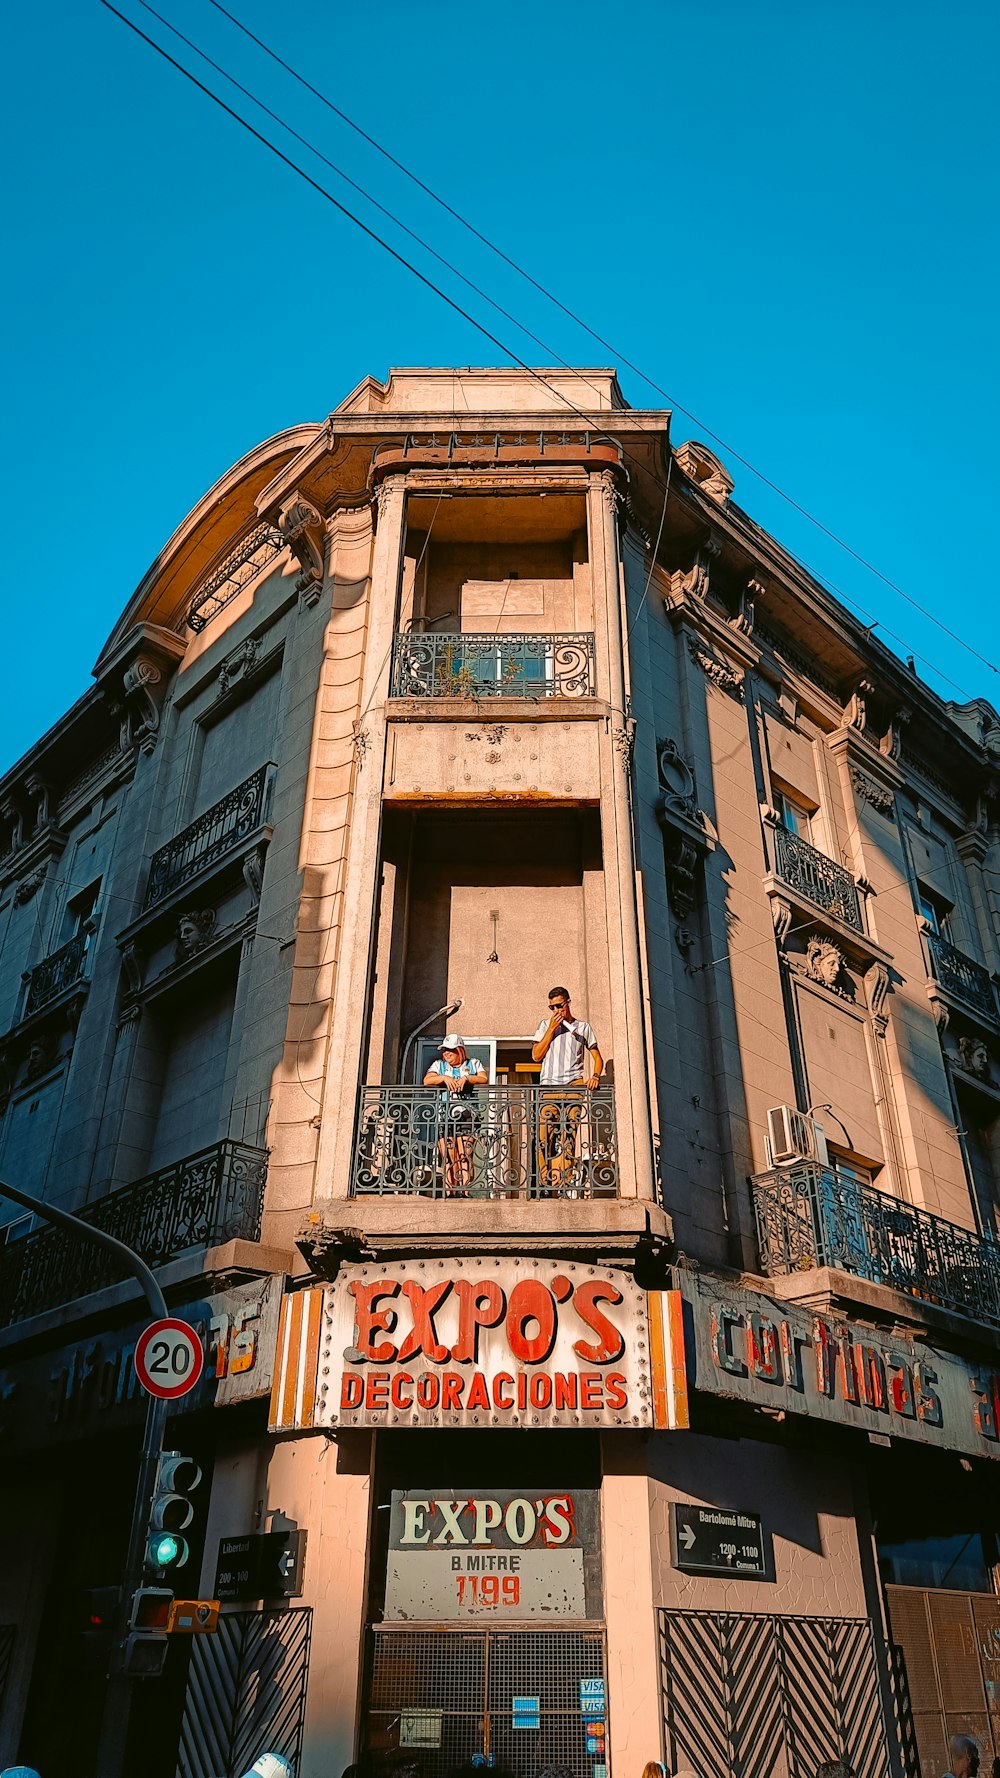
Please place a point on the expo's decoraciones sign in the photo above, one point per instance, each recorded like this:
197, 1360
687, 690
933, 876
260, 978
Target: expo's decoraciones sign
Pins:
482, 1342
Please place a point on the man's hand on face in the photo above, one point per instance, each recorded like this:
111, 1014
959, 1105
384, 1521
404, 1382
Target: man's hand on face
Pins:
558, 1013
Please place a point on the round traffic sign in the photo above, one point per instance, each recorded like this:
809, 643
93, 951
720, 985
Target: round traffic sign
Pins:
168, 1358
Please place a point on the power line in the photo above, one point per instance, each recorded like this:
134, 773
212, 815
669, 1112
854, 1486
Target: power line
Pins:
621, 357
589, 419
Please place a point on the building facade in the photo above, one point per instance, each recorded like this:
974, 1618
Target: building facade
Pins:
625, 1405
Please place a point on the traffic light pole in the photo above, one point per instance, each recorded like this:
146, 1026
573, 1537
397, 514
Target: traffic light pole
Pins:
117, 1703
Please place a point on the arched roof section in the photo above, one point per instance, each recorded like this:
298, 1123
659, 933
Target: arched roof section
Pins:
210, 530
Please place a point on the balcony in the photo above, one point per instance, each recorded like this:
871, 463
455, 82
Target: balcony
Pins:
210, 838
808, 1216
492, 666
204, 1200
961, 975
51, 978
820, 879
503, 1142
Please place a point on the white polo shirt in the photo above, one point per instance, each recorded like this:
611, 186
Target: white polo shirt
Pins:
566, 1057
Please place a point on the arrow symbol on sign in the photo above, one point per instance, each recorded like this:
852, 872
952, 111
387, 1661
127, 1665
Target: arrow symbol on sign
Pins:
687, 1536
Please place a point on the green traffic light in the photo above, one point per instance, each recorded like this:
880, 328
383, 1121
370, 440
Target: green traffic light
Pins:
167, 1550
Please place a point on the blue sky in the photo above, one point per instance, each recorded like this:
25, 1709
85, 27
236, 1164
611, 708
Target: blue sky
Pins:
786, 214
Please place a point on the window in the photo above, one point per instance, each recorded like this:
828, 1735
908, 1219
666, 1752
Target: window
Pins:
794, 815
80, 910
936, 912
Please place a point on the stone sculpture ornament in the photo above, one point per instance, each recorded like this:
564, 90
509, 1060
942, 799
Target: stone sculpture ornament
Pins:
824, 963
195, 930
974, 1057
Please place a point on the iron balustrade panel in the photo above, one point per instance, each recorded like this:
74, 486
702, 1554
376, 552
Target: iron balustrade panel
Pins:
210, 836
962, 975
819, 878
429, 665
261, 546
495, 1142
204, 1200
810, 1215
57, 973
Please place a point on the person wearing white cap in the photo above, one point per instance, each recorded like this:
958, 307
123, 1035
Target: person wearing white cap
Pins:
457, 1074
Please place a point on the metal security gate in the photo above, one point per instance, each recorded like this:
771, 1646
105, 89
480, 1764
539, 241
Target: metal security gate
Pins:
445, 1696
951, 1645
246, 1693
749, 1696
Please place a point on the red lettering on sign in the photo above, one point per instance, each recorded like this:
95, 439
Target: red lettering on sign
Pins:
610, 1341
562, 1288
762, 1347
377, 1391
522, 1391
901, 1386
398, 1399
452, 1384
428, 1390
983, 1412
352, 1390
478, 1396
369, 1321
566, 1394
540, 1389
870, 1370
422, 1337
531, 1306
591, 1390
502, 1381
480, 1305
616, 1390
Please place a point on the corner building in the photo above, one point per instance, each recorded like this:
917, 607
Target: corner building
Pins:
656, 1418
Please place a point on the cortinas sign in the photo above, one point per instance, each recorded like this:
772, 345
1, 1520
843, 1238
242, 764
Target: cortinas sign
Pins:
774, 1355
481, 1342
496, 1553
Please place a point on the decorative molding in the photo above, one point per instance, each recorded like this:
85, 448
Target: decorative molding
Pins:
879, 795
39, 1058
743, 620
726, 678
253, 872
132, 964
824, 963
856, 708
781, 915
238, 664
301, 527
705, 469
29, 886
974, 1057
623, 741
195, 930
891, 743
142, 708
611, 494
877, 990
677, 780
684, 939
360, 741
694, 582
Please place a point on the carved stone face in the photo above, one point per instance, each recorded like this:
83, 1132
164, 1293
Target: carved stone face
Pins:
187, 935
823, 963
974, 1056
37, 1060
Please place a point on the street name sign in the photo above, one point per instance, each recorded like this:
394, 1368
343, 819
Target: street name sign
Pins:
712, 1540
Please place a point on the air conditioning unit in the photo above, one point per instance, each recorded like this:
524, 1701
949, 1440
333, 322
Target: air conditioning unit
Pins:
794, 1136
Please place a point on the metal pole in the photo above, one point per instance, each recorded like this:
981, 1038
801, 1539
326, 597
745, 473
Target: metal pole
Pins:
118, 1697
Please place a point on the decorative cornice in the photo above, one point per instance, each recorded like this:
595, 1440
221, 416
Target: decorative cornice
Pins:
716, 670
879, 795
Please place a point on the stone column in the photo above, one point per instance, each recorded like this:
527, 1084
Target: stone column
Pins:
360, 878
628, 1032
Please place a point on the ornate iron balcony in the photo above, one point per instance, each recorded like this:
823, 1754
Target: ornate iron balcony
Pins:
60, 971
203, 1200
808, 1215
497, 1142
428, 665
210, 837
962, 975
816, 876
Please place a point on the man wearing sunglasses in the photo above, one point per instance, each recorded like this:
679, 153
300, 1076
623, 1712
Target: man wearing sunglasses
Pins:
562, 1045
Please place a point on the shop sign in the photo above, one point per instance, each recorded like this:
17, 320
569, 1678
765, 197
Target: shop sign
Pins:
711, 1540
91, 1386
772, 1354
480, 1342
420, 1728
500, 1553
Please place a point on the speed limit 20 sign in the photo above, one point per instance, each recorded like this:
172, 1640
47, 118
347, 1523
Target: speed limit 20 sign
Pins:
168, 1358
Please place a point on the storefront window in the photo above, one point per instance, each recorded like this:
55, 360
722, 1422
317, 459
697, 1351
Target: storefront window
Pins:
958, 1562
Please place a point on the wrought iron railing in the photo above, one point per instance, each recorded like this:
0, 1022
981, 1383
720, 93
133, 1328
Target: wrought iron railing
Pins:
429, 665
203, 1200
809, 1215
496, 1142
240, 567
210, 836
60, 971
962, 975
816, 876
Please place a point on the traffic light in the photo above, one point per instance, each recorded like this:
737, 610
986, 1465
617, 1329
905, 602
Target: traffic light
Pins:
144, 1649
171, 1514
99, 1623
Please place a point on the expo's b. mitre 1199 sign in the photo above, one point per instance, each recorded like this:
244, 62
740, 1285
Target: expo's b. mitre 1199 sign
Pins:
498, 1552
480, 1342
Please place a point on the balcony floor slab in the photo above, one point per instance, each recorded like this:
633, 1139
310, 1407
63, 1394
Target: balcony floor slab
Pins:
396, 1227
